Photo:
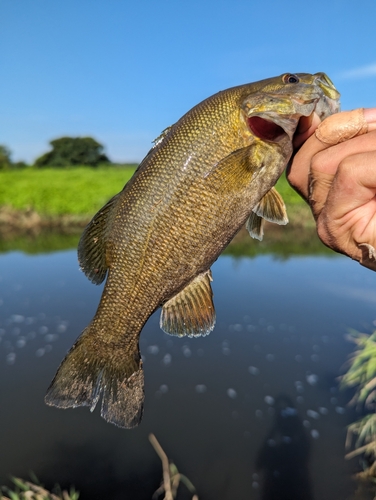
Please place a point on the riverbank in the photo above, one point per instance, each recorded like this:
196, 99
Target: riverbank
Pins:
32, 200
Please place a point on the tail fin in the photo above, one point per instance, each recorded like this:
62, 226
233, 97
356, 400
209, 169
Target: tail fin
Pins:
86, 372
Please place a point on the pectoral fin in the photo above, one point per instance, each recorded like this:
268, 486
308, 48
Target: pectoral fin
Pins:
271, 208
238, 167
93, 244
190, 312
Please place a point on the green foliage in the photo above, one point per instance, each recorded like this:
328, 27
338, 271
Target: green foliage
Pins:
25, 490
361, 375
71, 191
362, 370
290, 197
68, 151
5, 161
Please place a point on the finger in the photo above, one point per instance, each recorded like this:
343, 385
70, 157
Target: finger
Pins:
306, 127
347, 222
298, 171
341, 126
324, 166
354, 187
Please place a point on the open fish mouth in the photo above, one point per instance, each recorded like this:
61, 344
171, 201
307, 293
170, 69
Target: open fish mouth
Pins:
265, 130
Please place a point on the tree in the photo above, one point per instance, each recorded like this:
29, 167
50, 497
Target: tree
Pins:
68, 151
5, 161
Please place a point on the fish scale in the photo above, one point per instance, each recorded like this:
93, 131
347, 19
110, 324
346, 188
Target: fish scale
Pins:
207, 175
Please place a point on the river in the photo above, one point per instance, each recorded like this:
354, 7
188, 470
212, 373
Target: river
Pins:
214, 403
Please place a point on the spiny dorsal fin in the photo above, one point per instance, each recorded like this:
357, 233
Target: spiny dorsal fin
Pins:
190, 312
92, 245
162, 136
271, 208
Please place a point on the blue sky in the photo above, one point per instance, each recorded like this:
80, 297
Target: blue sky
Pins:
122, 71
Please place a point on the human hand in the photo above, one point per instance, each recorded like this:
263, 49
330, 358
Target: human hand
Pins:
338, 180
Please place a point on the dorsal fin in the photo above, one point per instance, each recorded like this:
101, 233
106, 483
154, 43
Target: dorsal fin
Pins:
271, 208
92, 245
162, 136
190, 312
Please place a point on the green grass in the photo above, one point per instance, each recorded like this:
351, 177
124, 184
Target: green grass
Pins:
77, 190
68, 191
289, 196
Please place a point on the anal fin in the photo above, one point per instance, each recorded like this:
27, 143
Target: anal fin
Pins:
190, 312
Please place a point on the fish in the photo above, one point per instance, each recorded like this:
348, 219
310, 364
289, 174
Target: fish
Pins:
205, 177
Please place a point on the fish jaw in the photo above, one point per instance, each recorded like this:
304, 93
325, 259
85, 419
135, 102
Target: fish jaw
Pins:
274, 115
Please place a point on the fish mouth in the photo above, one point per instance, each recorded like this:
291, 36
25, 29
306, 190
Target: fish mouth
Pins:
265, 130
274, 127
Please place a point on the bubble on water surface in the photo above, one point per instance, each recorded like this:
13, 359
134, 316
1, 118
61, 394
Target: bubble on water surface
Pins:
153, 349
270, 357
340, 410
11, 358
253, 370
259, 413
200, 388
251, 328
323, 410
231, 393
51, 337
307, 424
315, 433
40, 352
21, 342
17, 318
312, 379
43, 330
167, 358
313, 414
269, 400
186, 351
163, 388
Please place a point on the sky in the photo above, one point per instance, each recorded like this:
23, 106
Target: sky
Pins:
122, 71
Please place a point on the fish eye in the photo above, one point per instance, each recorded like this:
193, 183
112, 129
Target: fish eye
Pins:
289, 78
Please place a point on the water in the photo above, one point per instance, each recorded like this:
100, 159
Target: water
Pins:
279, 343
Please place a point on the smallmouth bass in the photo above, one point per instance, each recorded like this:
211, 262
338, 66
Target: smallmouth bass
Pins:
207, 175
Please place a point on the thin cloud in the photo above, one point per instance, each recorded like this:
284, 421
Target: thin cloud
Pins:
361, 72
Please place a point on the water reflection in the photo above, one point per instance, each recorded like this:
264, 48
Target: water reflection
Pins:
284, 455
210, 401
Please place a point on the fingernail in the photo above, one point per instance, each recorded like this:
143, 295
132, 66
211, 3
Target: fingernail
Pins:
370, 114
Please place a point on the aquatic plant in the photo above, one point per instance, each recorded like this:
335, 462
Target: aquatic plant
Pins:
361, 375
171, 476
25, 490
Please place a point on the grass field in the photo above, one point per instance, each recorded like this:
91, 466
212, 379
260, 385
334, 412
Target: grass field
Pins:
68, 191
77, 190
